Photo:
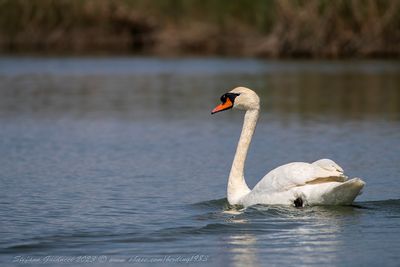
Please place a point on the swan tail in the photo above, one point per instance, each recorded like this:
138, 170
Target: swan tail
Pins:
345, 193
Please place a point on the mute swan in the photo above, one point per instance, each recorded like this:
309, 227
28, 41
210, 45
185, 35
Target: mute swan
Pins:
319, 183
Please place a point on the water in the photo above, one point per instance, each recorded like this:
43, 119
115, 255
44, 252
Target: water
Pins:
119, 160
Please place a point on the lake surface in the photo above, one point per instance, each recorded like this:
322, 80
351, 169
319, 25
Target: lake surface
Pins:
117, 161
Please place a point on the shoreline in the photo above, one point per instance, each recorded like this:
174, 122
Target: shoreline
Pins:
260, 29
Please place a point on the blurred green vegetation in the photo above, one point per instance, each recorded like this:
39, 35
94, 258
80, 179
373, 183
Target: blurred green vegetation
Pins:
273, 28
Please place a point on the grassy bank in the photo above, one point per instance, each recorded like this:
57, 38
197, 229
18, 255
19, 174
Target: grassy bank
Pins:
271, 28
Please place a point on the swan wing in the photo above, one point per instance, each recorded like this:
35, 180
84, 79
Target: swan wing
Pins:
295, 174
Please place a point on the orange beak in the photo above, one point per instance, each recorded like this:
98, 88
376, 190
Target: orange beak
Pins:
227, 105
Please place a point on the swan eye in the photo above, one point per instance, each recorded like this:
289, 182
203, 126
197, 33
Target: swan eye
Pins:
223, 98
231, 97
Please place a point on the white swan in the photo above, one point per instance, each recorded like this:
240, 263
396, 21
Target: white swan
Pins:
319, 183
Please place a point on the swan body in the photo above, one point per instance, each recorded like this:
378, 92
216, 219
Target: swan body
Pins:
299, 183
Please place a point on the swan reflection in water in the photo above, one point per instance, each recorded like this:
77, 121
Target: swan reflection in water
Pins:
302, 235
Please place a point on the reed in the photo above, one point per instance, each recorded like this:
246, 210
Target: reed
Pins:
272, 28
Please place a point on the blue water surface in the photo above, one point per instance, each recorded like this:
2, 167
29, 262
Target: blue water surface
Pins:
118, 162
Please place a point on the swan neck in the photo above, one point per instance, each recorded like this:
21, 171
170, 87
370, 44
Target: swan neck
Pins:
237, 186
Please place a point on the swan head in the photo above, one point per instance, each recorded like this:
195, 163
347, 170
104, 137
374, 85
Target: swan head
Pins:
239, 98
